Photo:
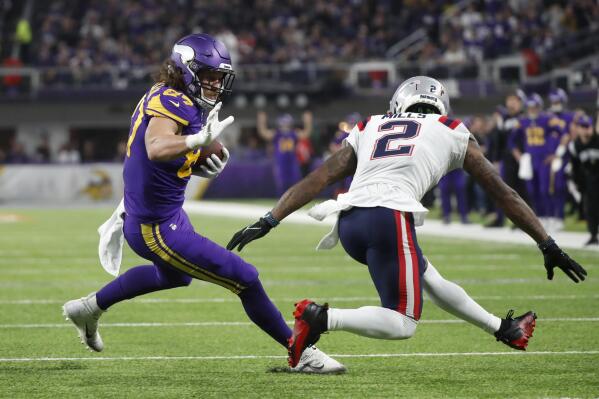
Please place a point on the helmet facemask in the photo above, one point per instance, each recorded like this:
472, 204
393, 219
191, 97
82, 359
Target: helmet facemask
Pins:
196, 89
422, 108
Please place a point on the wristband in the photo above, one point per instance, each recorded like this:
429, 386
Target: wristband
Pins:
545, 245
192, 141
270, 219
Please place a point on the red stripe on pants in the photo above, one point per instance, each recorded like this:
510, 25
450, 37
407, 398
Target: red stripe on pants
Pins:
415, 269
403, 293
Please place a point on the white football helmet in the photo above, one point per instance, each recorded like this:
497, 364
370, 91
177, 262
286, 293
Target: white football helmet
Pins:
420, 90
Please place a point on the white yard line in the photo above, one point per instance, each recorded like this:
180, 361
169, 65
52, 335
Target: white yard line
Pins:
332, 299
254, 357
247, 323
431, 227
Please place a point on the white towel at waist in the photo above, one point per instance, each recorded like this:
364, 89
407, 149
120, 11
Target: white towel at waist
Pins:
110, 248
366, 197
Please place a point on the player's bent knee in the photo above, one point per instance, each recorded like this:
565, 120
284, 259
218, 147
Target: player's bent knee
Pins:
385, 323
250, 275
403, 329
173, 278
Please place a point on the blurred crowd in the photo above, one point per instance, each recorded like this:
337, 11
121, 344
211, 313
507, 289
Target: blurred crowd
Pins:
486, 30
99, 34
76, 149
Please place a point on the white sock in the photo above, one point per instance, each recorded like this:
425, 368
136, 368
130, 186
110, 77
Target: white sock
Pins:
372, 321
453, 299
93, 304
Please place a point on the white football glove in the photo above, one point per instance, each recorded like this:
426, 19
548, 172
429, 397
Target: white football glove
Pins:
210, 131
215, 165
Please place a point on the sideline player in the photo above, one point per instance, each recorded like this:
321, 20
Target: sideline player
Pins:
584, 152
501, 154
285, 139
168, 127
541, 133
558, 100
395, 159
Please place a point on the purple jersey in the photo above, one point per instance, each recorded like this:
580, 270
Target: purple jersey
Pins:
284, 143
567, 117
155, 191
540, 135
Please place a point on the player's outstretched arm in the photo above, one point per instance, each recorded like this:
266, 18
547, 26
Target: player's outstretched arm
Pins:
519, 212
306, 131
262, 126
340, 165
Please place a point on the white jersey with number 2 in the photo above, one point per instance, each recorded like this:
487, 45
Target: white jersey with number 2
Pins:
400, 158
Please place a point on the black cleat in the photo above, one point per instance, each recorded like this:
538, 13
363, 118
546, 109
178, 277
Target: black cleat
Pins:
310, 321
515, 333
494, 223
592, 241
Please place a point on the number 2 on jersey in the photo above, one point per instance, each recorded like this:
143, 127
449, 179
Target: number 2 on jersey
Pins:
387, 146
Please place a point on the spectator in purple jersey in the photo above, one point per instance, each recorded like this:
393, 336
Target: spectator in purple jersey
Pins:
541, 133
284, 140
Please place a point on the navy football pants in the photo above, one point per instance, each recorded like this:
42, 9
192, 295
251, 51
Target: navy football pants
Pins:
385, 240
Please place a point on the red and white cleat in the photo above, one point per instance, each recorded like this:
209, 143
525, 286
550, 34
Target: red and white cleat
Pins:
310, 322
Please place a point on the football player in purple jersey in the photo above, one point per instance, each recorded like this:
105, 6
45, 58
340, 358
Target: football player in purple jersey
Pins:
171, 123
541, 133
284, 139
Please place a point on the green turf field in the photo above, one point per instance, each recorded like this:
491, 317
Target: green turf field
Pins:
50, 257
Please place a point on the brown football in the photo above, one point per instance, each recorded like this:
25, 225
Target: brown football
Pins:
213, 148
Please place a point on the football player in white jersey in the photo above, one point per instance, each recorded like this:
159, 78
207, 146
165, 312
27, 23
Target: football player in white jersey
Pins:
395, 159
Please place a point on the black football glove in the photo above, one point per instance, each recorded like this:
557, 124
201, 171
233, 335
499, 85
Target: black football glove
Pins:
555, 257
252, 232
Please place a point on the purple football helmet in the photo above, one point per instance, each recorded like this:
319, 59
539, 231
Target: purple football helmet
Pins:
285, 121
558, 96
534, 100
353, 118
520, 94
558, 99
583, 120
198, 53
